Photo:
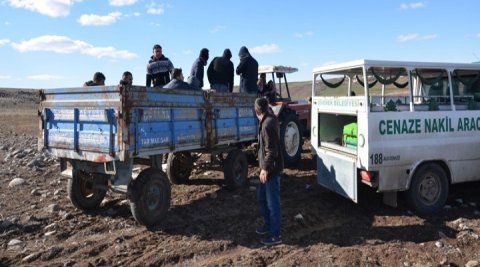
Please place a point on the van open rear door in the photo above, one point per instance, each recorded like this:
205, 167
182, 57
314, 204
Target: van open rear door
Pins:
338, 173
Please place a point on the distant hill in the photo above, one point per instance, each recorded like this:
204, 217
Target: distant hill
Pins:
17, 101
11, 95
300, 90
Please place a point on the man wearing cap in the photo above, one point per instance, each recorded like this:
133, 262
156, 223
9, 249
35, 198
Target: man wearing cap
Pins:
248, 71
270, 161
198, 64
158, 68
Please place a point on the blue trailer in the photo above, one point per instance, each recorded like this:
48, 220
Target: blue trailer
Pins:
99, 134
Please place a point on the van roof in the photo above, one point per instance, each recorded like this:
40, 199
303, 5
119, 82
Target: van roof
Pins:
276, 68
355, 66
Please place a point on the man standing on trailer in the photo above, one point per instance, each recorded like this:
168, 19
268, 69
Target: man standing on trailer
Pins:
248, 71
198, 66
158, 68
271, 169
220, 72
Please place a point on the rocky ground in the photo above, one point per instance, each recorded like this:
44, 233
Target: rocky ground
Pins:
207, 225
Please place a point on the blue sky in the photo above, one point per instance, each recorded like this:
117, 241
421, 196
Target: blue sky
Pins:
62, 43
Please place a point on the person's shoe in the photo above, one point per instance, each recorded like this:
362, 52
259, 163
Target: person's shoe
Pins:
272, 241
263, 230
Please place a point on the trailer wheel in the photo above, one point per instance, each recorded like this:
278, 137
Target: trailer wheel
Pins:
291, 139
179, 167
150, 196
235, 169
429, 189
82, 193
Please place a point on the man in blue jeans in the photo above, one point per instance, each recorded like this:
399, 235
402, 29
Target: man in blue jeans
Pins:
271, 169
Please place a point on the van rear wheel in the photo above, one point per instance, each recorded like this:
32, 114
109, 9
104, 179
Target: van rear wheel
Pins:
429, 189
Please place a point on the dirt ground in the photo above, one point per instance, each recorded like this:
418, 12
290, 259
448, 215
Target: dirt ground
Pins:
207, 225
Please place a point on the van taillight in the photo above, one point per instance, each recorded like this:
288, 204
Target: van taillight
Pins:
367, 176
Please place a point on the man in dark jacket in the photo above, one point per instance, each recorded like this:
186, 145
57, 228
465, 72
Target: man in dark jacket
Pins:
248, 69
220, 73
178, 83
271, 169
127, 79
197, 67
98, 80
158, 68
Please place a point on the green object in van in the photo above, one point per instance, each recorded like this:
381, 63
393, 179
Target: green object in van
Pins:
350, 135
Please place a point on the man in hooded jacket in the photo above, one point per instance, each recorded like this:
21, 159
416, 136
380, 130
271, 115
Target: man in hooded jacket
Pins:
248, 71
220, 72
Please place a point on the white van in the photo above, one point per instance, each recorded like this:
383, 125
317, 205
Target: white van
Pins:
397, 126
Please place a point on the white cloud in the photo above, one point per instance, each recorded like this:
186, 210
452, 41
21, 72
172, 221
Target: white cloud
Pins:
115, 14
418, 5
428, 37
469, 35
264, 49
136, 14
415, 37
409, 37
4, 41
65, 45
300, 35
121, 2
45, 77
4, 77
303, 64
52, 8
186, 52
404, 6
7, 23
96, 20
218, 28
153, 9
154, 24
